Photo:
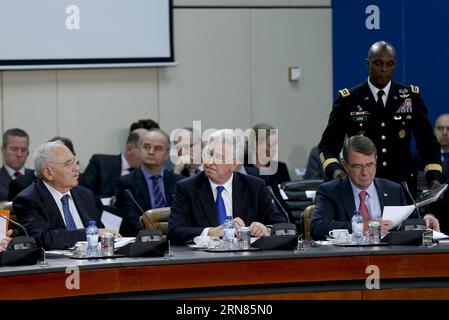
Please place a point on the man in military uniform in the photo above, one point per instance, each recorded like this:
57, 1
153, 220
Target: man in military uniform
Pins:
389, 114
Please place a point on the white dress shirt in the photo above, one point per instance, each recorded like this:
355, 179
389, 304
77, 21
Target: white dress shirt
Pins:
375, 90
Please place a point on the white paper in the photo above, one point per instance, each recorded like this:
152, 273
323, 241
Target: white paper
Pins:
106, 201
121, 242
310, 194
397, 214
111, 221
2, 228
439, 235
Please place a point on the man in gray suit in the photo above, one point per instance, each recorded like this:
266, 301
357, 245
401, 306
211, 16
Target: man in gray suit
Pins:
15, 153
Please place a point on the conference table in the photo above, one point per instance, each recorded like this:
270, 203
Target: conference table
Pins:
321, 272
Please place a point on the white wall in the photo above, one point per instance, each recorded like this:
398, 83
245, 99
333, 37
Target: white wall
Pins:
232, 72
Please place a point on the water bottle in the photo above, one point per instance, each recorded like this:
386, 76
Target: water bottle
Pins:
229, 233
357, 228
92, 239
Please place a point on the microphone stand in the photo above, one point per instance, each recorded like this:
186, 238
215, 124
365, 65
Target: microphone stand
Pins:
270, 190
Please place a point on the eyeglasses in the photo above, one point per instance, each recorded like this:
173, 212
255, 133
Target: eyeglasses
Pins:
69, 163
359, 166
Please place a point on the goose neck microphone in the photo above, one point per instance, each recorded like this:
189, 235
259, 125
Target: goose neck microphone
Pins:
405, 186
130, 195
270, 190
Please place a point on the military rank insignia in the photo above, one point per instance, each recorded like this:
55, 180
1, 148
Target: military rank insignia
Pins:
344, 92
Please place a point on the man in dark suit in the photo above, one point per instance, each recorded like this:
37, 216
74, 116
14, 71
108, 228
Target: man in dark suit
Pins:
314, 168
186, 152
103, 170
19, 184
54, 209
441, 131
198, 199
15, 152
337, 200
389, 114
151, 185
263, 153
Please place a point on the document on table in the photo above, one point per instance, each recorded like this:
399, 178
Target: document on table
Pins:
397, 214
439, 235
111, 221
121, 242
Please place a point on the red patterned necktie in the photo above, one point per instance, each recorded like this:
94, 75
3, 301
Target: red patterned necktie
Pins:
363, 208
17, 174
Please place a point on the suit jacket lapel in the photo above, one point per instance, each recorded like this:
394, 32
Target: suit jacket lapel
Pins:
168, 183
5, 178
117, 165
238, 192
142, 186
207, 200
82, 211
392, 100
383, 197
47, 200
347, 197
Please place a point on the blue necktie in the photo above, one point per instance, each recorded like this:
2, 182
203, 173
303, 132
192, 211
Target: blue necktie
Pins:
159, 200
221, 210
69, 222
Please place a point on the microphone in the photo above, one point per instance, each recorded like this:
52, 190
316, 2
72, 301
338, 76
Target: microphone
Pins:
405, 186
16, 223
130, 195
270, 190
19, 243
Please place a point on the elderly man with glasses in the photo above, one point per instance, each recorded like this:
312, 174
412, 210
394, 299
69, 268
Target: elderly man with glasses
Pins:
54, 209
337, 200
203, 202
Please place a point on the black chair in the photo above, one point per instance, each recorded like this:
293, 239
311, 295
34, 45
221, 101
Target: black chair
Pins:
298, 197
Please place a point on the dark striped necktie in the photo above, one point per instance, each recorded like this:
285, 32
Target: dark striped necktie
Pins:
159, 200
69, 222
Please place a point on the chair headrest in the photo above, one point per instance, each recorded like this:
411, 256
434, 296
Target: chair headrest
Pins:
302, 185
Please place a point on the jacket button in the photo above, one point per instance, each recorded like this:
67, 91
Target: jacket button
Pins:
384, 163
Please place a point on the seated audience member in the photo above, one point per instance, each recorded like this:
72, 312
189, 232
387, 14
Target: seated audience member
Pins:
187, 149
202, 202
54, 209
144, 124
337, 200
24, 181
15, 153
441, 131
151, 185
314, 168
266, 154
103, 170
4, 242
